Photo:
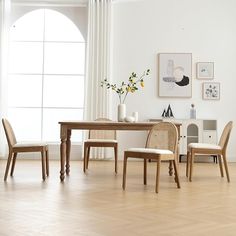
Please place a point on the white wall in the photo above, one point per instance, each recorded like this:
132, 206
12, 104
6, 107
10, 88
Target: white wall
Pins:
205, 28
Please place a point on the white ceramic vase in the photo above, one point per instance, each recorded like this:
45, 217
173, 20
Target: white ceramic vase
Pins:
135, 115
121, 113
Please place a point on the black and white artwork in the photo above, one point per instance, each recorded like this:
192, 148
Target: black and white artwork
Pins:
175, 75
211, 91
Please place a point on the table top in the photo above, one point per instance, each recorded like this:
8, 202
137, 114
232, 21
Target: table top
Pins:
109, 125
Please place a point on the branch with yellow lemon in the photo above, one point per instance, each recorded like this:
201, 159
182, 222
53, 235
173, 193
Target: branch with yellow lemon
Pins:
125, 88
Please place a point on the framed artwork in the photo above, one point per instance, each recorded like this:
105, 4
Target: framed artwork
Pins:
211, 91
205, 70
175, 75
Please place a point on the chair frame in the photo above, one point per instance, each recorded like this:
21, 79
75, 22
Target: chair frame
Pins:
15, 148
88, 144
220, 153
154, 156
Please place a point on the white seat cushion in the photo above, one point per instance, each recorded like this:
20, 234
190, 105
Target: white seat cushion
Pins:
25, 144
102, 140
204, 146
150, 150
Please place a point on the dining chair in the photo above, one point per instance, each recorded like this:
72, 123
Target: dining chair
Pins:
161, 145
210, 149
100, 138
16, 147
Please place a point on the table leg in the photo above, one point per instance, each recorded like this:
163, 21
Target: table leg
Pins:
68, 147
63, 136
170, 168
63, 157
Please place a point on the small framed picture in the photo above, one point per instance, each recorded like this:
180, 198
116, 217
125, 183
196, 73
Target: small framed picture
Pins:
211, 91
205, 70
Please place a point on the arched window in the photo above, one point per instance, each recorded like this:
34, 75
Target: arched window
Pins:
46, 75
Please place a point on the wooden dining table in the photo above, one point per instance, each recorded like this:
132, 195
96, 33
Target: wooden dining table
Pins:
66, 128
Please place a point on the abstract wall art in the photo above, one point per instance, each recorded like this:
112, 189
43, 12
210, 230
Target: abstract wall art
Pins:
175, 75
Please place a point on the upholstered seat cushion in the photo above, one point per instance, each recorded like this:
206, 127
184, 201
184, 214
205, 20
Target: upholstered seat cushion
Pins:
150, 150
22, 144
204, 146
102, 140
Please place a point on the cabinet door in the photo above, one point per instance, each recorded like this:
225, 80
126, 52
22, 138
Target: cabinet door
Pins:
192, 133
209, 137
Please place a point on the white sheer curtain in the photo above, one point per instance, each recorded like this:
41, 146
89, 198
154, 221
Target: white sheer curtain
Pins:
97, 99
4, 39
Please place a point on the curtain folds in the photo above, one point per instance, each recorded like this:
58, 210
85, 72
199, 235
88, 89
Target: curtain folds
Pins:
97, 99
4, 42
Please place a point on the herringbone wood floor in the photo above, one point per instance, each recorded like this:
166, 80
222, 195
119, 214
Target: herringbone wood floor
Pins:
95, 205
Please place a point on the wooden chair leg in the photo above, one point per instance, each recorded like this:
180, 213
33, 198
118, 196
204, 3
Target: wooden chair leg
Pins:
158, 174
87, 157
187, 164
47, 163
116, 157
8, 165
176, 174
226, 166
145, 171
220, 165
124, 171
13, 163
43, 165
191, 165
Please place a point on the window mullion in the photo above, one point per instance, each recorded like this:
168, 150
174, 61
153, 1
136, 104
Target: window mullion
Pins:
42, 103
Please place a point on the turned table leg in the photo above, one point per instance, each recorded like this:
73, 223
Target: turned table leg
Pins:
63, 150
68, 147
170, 168
63, 136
